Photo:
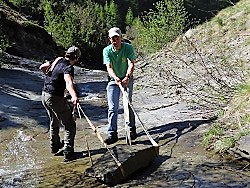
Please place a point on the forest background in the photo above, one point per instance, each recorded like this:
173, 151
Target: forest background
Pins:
149, 24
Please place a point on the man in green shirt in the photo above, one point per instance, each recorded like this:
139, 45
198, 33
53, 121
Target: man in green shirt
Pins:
119, 58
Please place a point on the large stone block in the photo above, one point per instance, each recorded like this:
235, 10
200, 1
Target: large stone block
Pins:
132, 158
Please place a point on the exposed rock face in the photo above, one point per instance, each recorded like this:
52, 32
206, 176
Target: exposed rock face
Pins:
26, 39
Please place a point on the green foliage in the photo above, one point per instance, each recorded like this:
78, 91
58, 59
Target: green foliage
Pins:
94, 36
69, 28
51, 21
203, 10
160, 26
65, 27
85, 23
245, 119
4, 43
243, 88
220, 22
29, 7
111, 14
129, 17
85, 26
212, 133
224, 144
244, 132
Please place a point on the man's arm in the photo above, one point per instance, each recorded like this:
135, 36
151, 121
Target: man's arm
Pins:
112, 73
70, 87
129, 73
131, 68
44, 66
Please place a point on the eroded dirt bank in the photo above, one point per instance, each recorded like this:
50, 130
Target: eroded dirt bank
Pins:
25, 154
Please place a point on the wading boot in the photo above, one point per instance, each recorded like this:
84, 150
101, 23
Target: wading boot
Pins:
133, 135
59, 153
55, 149
111, 139
69, 156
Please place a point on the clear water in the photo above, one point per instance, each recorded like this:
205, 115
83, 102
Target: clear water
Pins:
18, 159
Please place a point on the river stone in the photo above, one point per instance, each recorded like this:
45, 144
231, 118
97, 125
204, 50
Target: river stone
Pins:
243, 147
132, 158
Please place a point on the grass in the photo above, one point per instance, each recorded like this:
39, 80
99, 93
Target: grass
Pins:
212, 134
234, 120
243, 88
232, 124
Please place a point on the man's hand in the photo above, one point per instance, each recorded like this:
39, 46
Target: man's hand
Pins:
117, 80
125, 81
75, 101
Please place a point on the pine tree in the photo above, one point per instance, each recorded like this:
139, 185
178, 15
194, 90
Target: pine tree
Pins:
129, 17
112, 14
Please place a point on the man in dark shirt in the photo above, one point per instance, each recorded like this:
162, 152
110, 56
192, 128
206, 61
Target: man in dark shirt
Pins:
60, 76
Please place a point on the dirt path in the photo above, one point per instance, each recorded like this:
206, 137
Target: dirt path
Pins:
25, 156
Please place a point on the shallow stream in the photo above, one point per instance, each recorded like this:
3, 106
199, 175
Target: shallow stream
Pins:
26, 161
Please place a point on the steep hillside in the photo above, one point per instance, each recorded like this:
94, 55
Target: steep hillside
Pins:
204, 62
25, 38
205, 68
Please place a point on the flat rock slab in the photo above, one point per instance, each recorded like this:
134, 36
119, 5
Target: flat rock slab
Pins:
242, 147
132, 158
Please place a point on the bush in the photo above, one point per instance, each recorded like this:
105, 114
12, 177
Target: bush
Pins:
4, 43
160, 26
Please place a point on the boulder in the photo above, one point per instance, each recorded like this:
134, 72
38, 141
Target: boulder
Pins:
242, 148
132, 158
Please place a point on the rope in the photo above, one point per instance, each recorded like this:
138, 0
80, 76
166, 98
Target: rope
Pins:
143, 127
87, 144
101, 139
126, 119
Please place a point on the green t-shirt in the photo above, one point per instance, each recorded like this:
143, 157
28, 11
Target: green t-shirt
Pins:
119, 58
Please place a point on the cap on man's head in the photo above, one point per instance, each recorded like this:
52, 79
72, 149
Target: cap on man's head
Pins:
115, 31
74, 51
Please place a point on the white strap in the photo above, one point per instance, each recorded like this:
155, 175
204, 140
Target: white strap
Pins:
87, 144
143, 127
118, 163
126, 117
52, 65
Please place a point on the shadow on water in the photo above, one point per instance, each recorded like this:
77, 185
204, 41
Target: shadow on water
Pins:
180, 127
221, 175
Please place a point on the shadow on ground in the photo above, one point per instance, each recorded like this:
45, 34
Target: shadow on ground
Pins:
160, 132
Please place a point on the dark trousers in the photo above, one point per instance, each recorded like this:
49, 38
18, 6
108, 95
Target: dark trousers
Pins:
60, 113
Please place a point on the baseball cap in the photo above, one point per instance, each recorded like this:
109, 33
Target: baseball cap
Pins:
74, 51
115, 31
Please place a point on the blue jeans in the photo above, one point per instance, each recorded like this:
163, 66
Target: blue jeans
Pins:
113, 95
